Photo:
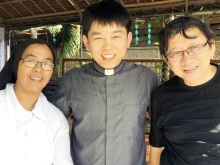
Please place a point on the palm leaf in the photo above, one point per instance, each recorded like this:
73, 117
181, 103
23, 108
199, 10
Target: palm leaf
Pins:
70, 43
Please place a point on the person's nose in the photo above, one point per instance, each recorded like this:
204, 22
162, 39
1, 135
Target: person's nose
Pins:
186, 57
107, 44
185, 52
38, 67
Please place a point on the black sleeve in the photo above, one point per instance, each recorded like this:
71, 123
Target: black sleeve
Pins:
60, 96
156, 138
154, 83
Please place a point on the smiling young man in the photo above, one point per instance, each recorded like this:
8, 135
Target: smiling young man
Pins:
185, 116
109, 97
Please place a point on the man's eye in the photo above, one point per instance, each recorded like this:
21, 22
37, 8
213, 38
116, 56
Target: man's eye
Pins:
116, 36
30, 60
194, 48
174, 54
98, 38
170, 56
46, 63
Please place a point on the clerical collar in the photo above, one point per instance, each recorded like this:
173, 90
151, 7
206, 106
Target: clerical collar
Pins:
109, 72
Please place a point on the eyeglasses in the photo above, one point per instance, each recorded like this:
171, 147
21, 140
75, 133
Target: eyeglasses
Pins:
31, 63
193, 50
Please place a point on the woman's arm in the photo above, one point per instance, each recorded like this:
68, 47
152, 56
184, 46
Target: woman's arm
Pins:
155, 155
62, 147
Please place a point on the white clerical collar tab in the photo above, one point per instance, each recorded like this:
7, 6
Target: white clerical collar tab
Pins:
109, 72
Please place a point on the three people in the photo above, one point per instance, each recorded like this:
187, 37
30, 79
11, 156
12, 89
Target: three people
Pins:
109, 97
185, 109
33, 131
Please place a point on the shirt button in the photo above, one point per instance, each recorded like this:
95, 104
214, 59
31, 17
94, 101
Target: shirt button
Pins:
26, 156
26, 134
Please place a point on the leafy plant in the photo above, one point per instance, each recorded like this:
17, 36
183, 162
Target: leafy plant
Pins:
70, 43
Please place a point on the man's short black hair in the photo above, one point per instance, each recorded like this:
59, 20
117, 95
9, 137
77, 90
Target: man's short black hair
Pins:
105, 12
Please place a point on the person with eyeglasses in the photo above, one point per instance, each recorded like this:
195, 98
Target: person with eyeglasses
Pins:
32, 63
185, 117
33, 131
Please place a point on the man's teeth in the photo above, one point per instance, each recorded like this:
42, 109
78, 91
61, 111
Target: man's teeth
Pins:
108, 55
36, 78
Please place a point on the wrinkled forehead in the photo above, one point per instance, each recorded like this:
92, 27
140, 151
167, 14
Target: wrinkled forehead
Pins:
38, 51
189, 33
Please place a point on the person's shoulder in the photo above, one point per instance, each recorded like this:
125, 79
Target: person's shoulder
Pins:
168, 85
56, 112
142, 68
55, 119
218, 70
2, 92
52, 111
2, 95
71, 72
87, 66
75, 71
148, 72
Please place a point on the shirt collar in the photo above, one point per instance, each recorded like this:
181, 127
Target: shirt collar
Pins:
15, 107
39, 108
110, 71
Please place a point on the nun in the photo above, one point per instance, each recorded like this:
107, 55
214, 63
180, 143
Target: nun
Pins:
33, 131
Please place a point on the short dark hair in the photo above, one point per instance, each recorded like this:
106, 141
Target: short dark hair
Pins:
180, 25
105, 12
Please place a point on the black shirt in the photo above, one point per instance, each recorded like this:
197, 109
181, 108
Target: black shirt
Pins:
186, 121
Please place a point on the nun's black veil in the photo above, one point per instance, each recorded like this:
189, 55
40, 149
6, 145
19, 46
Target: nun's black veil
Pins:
9, 71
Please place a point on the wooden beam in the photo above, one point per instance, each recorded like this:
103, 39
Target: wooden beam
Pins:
61, 5
153, 3
37, 6
7, 12
50, 6
144, 6
122, 3
73, 3
44, 15
10, 2
16, 10
186, 7
87, 2
26, 8
167, 2
214, 20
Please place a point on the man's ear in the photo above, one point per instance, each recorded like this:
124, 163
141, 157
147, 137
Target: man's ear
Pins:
166, 61
129, 39
212, 49
86, 43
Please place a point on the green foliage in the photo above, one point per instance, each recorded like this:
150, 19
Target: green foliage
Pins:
88, 54
70, 43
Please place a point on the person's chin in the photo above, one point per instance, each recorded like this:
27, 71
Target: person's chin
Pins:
35, 89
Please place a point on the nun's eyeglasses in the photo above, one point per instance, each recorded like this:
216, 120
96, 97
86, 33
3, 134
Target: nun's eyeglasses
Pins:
31, 63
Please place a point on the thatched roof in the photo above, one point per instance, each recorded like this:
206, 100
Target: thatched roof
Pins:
16, 14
